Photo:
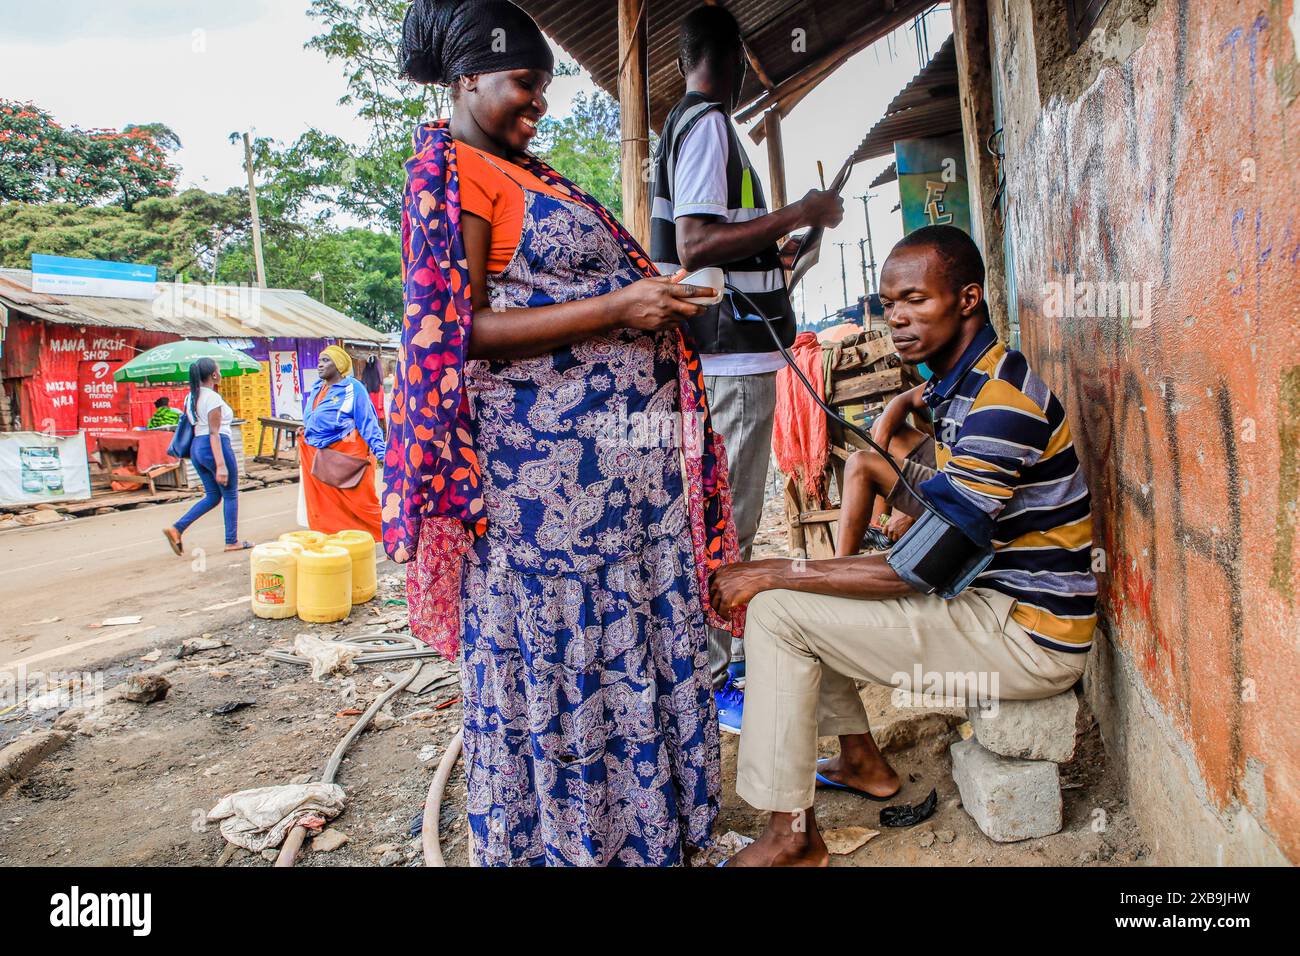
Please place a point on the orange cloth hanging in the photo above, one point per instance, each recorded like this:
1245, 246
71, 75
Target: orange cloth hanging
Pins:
799, 436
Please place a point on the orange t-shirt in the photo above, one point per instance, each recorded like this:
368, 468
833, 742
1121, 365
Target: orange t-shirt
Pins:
490, 188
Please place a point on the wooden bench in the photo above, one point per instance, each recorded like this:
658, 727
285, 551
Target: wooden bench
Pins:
280, 428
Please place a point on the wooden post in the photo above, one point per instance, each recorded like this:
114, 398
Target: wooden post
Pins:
775, 156
257, 220
634, 116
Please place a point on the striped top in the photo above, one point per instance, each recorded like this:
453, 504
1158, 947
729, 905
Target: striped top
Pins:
1008, 474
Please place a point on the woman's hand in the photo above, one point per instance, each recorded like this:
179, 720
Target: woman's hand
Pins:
223, 476
657, 304
734, 585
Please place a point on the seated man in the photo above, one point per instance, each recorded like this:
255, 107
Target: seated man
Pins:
164, 416
1008, 488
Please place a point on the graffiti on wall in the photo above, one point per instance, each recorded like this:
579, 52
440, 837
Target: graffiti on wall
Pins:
1156, 270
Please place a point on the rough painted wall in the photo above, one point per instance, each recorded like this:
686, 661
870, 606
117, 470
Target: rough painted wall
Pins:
1177, 168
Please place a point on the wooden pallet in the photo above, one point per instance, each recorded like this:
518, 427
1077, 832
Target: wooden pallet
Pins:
865, 373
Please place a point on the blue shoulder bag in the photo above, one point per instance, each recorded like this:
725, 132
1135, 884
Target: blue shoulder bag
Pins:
184, 437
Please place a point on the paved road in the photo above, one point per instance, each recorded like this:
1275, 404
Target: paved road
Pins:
58, 580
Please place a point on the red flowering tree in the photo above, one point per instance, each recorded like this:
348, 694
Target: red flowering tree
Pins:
41, 161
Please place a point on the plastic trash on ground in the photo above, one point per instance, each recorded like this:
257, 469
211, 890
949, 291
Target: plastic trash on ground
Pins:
259, 819
327, 657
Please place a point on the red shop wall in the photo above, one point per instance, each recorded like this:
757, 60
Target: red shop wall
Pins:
66, 375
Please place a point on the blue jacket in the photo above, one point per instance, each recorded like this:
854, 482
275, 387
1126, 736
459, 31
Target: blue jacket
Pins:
346, 406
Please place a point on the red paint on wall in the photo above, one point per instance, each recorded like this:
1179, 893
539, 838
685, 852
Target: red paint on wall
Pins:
1178, 170
46, 360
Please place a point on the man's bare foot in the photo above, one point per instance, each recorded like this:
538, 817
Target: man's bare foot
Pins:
791, 839
862, 766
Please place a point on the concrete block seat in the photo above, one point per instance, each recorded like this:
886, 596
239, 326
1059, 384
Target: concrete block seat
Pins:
1007, 771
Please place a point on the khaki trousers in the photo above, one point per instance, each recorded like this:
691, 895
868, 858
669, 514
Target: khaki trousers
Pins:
804, 652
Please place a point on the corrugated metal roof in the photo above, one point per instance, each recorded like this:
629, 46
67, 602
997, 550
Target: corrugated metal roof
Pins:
887, 175
191, 311
588, 31
927, 106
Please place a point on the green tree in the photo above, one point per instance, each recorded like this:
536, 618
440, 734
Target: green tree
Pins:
356, 270
320, 175
41, 161
585, 147
182, 235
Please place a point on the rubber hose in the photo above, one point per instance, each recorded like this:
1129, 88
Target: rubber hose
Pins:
293, 842
433, 802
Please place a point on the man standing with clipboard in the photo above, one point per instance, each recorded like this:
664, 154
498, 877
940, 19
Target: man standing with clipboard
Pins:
708, 211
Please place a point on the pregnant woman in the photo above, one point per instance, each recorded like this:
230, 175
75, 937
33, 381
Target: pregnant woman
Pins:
535, 477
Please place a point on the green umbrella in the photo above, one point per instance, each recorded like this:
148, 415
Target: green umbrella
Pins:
171, 362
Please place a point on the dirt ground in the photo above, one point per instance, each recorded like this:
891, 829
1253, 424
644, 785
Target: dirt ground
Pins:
134, 783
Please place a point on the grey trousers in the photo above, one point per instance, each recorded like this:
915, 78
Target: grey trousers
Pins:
742, 408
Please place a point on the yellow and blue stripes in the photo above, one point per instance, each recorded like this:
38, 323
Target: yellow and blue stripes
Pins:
1008, 475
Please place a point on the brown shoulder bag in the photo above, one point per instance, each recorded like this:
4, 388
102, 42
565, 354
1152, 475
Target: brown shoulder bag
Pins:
338, 470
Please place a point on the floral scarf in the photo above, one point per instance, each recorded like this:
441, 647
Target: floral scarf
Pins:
432, 502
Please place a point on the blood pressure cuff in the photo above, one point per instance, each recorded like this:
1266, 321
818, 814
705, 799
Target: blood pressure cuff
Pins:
935, 556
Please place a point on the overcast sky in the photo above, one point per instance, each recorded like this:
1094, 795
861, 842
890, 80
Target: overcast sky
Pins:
208, 68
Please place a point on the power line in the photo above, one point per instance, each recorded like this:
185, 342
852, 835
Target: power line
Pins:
871, 249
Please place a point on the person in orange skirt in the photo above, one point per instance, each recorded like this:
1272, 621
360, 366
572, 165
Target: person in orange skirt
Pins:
341, 418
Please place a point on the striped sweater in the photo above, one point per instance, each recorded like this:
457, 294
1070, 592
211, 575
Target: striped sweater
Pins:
1008, 474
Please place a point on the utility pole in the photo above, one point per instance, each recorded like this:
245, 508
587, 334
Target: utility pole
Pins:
257, 220
862, 251
844, 276
866, 212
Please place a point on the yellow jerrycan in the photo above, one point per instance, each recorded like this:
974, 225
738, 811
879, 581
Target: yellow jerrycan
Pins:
361, 546
273, 574
324, 584
308, 539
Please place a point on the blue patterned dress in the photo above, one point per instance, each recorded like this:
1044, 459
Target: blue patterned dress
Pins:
590, 732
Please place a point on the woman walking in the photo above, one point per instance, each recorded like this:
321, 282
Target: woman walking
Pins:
340, 434
212, 455
531, 481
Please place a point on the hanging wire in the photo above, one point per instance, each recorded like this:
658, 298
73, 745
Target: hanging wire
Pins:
999, 176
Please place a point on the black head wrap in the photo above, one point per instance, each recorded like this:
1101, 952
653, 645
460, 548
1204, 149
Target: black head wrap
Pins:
446, 39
